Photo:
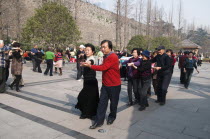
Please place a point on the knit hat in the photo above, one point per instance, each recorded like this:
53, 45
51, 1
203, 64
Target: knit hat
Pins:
146, 53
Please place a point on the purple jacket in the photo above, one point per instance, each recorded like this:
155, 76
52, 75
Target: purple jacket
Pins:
132, 72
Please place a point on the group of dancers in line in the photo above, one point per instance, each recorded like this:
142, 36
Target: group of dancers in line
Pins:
142, 70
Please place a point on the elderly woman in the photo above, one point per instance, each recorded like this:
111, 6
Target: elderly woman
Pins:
89, 96
17, 65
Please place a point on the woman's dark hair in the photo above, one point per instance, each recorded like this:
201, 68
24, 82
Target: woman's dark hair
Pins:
16, 44
190, 52
169, 50
136, 50
91, 46
109, 43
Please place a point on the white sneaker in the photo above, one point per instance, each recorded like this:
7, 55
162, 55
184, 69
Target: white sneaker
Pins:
79, 80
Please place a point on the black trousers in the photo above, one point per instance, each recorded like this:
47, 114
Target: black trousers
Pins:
143, 88
34, 64
188, 76
38, 63
108, 93
133, 88
2, 80
17, 81
163, 83
79, 71
49, 67
7, 73
182, 76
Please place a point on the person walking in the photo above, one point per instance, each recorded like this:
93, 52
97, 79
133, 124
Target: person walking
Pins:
38, 60
163, 74
181, 67
111, 85
16, 66
49, 56
145, 79
88, 98
59, 61
133, 77
189, 65
33, 57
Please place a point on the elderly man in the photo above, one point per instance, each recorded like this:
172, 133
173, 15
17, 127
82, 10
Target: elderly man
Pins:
163, 74
111, 85
80, 58
33, 56
2, 67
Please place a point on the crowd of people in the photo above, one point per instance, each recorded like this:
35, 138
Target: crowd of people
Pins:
140, 69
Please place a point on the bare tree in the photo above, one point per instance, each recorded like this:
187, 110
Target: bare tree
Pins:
118, 24
180, 19
141, 10
149, 7
125, 22
18, 9
1, 22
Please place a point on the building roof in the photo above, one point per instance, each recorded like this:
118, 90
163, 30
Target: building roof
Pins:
187, 44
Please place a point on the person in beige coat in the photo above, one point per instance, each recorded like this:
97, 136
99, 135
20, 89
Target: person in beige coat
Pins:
16, 66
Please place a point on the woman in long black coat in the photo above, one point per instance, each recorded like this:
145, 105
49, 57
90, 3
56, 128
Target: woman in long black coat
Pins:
89, 96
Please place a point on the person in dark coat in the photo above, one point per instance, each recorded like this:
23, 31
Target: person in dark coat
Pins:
80, 58
38, 59
17, 66
189, 65
145, 79
89, 96
163, 74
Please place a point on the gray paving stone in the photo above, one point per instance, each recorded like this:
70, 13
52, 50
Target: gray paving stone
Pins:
197, 133
145, 135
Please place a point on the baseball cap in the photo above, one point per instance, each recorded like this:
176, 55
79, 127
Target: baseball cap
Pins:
161, 47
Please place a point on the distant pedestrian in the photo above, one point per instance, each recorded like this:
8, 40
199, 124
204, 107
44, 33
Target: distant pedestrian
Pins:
49, 56
17, 65
59, 61
181, 67
189, 65
33, 57
80, 58
38, 59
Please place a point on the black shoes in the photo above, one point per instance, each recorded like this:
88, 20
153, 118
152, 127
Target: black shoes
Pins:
142, 108
11, 87
85, 116
82, 117
130, 104
162, 103
95, 125
109, 122
156, 101
18, 90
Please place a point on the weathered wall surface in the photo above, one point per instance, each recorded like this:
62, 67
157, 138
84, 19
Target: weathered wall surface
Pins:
94, 23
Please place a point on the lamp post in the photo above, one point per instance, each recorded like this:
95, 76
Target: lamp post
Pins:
99, 41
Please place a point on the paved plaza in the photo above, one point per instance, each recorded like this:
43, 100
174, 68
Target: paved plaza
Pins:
44, 109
